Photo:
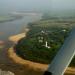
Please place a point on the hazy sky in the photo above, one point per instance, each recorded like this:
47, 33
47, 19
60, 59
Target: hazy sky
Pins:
13, 5
63, 4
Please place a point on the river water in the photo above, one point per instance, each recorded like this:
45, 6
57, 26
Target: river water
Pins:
11, 28
14, 27
8, 29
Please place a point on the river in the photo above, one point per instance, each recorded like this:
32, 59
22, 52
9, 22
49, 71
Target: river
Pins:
14, 27
8, 29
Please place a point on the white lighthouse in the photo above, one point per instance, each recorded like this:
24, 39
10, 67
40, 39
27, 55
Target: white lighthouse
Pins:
46, 45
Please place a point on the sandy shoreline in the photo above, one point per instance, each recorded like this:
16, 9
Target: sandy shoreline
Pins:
16, 38
28, 64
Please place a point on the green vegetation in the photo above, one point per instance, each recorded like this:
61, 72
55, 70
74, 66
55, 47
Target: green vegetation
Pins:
43, 40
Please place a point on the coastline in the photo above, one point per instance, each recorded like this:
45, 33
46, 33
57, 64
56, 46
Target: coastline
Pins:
29, 64
16, 38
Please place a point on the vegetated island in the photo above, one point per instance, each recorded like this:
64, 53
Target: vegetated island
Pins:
44, 39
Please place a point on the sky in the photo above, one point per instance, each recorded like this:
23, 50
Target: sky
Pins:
63, 4
56, 5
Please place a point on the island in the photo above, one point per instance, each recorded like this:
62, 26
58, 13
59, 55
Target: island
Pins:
43, 40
